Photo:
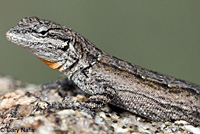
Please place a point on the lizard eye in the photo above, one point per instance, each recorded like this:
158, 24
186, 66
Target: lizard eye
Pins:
42, 29
43, 32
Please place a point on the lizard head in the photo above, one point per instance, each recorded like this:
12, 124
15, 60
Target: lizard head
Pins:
52, 43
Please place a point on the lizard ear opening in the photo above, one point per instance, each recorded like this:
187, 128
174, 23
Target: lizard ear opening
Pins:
51, 64
65, 48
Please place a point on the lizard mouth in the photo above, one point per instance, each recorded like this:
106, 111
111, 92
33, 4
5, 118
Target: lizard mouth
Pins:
51, 64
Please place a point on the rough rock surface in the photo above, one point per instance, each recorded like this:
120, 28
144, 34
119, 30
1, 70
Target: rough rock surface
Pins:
26, 108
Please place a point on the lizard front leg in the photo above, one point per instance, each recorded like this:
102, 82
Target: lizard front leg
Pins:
93, 103
100, 99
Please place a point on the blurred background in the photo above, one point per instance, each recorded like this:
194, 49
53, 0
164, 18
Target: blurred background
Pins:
163, 36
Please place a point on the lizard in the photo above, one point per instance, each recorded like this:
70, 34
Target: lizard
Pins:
106, 78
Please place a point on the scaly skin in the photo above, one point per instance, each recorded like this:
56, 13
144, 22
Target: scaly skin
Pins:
108, 79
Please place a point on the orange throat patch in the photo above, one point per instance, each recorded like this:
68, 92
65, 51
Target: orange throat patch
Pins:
51, 64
